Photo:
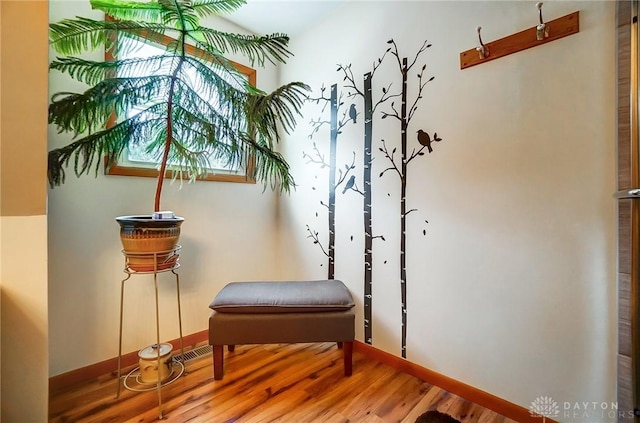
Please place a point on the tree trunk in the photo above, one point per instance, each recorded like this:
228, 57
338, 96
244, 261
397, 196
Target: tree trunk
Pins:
167, 144
403, 208
368, 234
332, 182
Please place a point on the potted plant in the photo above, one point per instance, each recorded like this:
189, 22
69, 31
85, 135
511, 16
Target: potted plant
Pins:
185, 124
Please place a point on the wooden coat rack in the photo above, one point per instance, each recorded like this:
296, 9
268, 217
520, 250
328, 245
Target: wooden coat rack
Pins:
555, 29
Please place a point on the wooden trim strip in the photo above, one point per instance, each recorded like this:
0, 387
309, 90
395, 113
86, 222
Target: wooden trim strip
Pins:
117, 170
627, 173
558, 28
65, 380
470, 393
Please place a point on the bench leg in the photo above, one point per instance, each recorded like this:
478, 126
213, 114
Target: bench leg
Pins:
347, 350
339, 345
218, 362
232, 348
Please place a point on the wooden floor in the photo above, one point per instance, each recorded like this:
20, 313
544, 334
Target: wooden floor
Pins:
271, 383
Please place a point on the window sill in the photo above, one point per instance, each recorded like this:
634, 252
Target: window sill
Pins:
153, 173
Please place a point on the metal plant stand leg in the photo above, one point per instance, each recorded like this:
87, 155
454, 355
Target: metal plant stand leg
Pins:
179, 315
133, 270
120, 338
159, 383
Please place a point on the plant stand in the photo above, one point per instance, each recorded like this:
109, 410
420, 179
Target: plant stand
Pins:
159, 266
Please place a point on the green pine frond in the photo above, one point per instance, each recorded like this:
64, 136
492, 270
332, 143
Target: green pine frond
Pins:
179, 14
193, 163
89, 111
146, 66
88, 71
87, 153
203, 131
150, 11
224, 83
92, 72
219, 74
256, 48
265, 112
215, 7
175, 14
75, 36
201, 141
270, 166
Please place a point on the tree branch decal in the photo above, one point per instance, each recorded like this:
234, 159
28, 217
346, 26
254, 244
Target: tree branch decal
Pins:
393, 102
337, 176
365, 93
404, 115
314, 236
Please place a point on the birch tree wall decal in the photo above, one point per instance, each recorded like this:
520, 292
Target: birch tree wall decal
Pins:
424, 141
336, 176
369, 107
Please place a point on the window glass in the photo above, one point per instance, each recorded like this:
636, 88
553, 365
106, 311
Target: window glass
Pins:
138, 161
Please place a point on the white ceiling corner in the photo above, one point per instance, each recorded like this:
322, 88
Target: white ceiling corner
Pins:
291, 17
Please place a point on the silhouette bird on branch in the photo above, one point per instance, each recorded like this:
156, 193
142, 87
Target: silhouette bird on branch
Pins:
349, 184
425, 139
353, 113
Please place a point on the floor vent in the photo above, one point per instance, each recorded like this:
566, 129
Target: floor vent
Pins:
195, 353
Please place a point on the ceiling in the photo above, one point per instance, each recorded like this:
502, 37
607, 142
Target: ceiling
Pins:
285, 16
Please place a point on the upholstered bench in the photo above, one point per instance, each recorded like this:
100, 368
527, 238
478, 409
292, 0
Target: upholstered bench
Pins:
281, 312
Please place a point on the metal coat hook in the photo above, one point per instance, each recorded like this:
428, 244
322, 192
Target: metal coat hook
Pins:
483, 51
542, 30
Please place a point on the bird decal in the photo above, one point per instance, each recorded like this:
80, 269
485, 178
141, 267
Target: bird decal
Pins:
349, 184
353, 113
425, 140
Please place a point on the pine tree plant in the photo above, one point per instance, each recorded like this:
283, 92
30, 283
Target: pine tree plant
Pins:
171, 113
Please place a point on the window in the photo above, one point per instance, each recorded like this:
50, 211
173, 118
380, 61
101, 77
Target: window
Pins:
137, 162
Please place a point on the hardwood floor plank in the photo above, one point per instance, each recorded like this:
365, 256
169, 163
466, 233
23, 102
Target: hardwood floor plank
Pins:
490, 417
276, 407
301, 383
372, 418
466, 412
349, 396
402, 400
425, 404
312, 412
366, 400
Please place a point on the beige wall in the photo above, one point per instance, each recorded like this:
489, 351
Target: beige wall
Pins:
511, 288
23, 223
23, 187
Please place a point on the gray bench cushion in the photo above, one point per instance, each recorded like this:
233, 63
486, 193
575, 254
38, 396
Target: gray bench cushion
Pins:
283, 297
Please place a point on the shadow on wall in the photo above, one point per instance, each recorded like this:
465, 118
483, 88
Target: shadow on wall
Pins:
21, 333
